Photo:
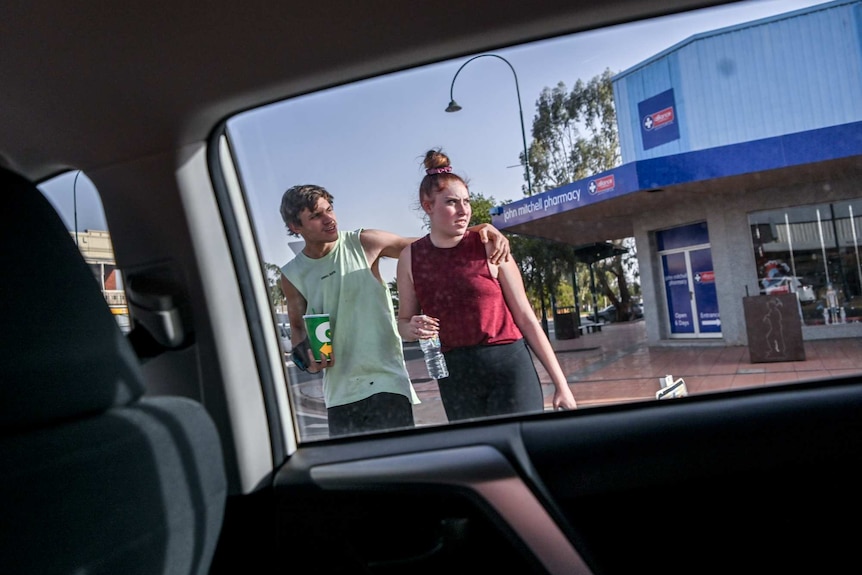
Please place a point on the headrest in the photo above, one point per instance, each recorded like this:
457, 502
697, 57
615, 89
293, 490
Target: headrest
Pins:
62, 354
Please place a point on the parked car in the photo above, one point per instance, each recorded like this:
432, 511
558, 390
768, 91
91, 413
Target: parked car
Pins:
189, 446
284, 335
283, 322
608, 314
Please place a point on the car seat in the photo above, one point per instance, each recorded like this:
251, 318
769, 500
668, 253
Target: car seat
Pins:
94, 477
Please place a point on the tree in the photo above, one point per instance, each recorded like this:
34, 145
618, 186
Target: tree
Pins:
543, 264
574, 133
619, 270
273, 284
481, 208
575, 136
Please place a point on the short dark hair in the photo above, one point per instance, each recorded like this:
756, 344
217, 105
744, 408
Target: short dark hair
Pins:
298, 198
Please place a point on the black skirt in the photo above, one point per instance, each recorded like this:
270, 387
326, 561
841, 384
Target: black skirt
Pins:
489, 380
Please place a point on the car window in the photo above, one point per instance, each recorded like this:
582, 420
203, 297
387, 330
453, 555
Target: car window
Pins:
662, 184
77, 201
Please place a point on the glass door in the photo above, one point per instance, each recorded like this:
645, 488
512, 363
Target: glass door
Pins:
689, 282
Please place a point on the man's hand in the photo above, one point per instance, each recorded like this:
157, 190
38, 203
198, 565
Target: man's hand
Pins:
315, 366
303, 358
496, 244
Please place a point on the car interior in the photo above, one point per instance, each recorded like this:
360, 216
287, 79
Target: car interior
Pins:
177, 446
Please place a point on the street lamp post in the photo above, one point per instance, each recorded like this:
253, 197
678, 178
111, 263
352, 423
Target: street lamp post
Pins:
454, 107
75, 204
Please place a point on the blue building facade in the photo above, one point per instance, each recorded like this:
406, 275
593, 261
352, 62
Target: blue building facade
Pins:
741, 175
728, 80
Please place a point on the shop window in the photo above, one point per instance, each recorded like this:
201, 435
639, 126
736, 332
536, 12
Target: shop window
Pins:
812, 251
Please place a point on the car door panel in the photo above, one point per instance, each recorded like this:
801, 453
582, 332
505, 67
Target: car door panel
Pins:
750, 480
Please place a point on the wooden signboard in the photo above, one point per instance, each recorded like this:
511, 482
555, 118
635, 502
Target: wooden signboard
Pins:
774, 328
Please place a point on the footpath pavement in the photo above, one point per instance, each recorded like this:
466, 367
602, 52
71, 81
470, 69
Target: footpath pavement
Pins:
615, 365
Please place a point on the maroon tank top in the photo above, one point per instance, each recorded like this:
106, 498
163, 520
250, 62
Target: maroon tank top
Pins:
456, 286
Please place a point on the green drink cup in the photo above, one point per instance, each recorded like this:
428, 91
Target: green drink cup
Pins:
319, 334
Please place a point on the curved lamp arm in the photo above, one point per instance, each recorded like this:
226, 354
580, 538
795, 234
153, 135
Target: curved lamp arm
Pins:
453, 107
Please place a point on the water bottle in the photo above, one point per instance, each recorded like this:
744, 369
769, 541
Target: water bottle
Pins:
434, 360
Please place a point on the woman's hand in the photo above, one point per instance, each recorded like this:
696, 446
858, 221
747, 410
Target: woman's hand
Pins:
563, 398
424, 326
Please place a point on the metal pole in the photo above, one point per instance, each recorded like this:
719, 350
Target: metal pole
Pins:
593, 289
577, 314
75, 205
520, 110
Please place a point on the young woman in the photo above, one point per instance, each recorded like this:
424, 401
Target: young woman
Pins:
447, 286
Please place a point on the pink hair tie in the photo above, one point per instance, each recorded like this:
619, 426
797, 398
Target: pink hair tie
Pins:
432, 171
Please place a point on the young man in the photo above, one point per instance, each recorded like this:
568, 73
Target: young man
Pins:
365, 384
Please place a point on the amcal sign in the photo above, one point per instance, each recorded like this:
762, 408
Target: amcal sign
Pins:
659, 119
602, 185
659, 123
705, 277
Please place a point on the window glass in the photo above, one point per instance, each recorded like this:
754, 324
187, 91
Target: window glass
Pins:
813, 252
77, 202
625, 166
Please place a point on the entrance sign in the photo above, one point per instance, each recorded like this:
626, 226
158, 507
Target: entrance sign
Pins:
705, 295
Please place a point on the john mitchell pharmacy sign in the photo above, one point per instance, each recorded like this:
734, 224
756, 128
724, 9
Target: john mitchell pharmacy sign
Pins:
799, 148
607, 185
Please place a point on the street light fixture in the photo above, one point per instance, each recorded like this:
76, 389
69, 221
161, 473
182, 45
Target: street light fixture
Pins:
454, 107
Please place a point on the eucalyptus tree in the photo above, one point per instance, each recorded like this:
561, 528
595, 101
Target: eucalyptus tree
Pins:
575, 136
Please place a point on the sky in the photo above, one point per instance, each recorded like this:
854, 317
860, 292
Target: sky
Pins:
364, 142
